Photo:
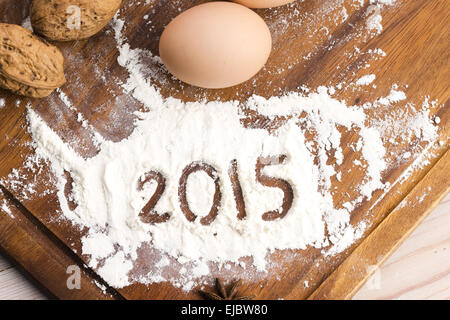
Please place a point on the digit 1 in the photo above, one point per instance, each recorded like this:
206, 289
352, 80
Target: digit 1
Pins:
237, 189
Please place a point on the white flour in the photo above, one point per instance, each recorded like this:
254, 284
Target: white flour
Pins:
172, 134
6, 209
365, 80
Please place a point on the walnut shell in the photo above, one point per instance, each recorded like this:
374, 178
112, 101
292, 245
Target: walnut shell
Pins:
66, 20
28, 65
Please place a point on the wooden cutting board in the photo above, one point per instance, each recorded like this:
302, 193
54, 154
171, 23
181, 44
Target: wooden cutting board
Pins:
313, 51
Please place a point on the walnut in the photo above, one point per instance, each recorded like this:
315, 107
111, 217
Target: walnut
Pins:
29, 66
67, 20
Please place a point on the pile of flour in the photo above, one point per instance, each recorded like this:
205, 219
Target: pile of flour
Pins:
171, 134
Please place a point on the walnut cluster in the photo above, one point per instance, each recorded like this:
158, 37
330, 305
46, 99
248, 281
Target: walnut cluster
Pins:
32, 67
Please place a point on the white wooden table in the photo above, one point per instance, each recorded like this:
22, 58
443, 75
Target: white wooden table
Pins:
419, 269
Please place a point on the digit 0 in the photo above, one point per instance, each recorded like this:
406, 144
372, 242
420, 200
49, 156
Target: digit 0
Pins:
212, 173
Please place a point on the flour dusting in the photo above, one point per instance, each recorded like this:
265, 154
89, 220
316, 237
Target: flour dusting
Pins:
111, 188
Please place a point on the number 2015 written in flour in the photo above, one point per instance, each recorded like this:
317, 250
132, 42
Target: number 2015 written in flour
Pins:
149, 215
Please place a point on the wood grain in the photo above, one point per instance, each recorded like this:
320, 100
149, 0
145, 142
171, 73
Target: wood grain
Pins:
420, 268
15, 286
415, 271
346, 280
47, 260
5, 264
417, 55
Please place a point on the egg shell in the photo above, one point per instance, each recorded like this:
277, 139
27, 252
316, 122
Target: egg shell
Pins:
215, 45
263, 3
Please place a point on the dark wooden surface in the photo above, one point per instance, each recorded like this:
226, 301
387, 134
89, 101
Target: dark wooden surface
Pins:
415, 39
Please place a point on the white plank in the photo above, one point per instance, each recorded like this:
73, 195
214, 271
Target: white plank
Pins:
14, 286
420, 268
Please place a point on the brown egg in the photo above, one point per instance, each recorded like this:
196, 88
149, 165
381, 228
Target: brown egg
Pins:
263, 3
215, 45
